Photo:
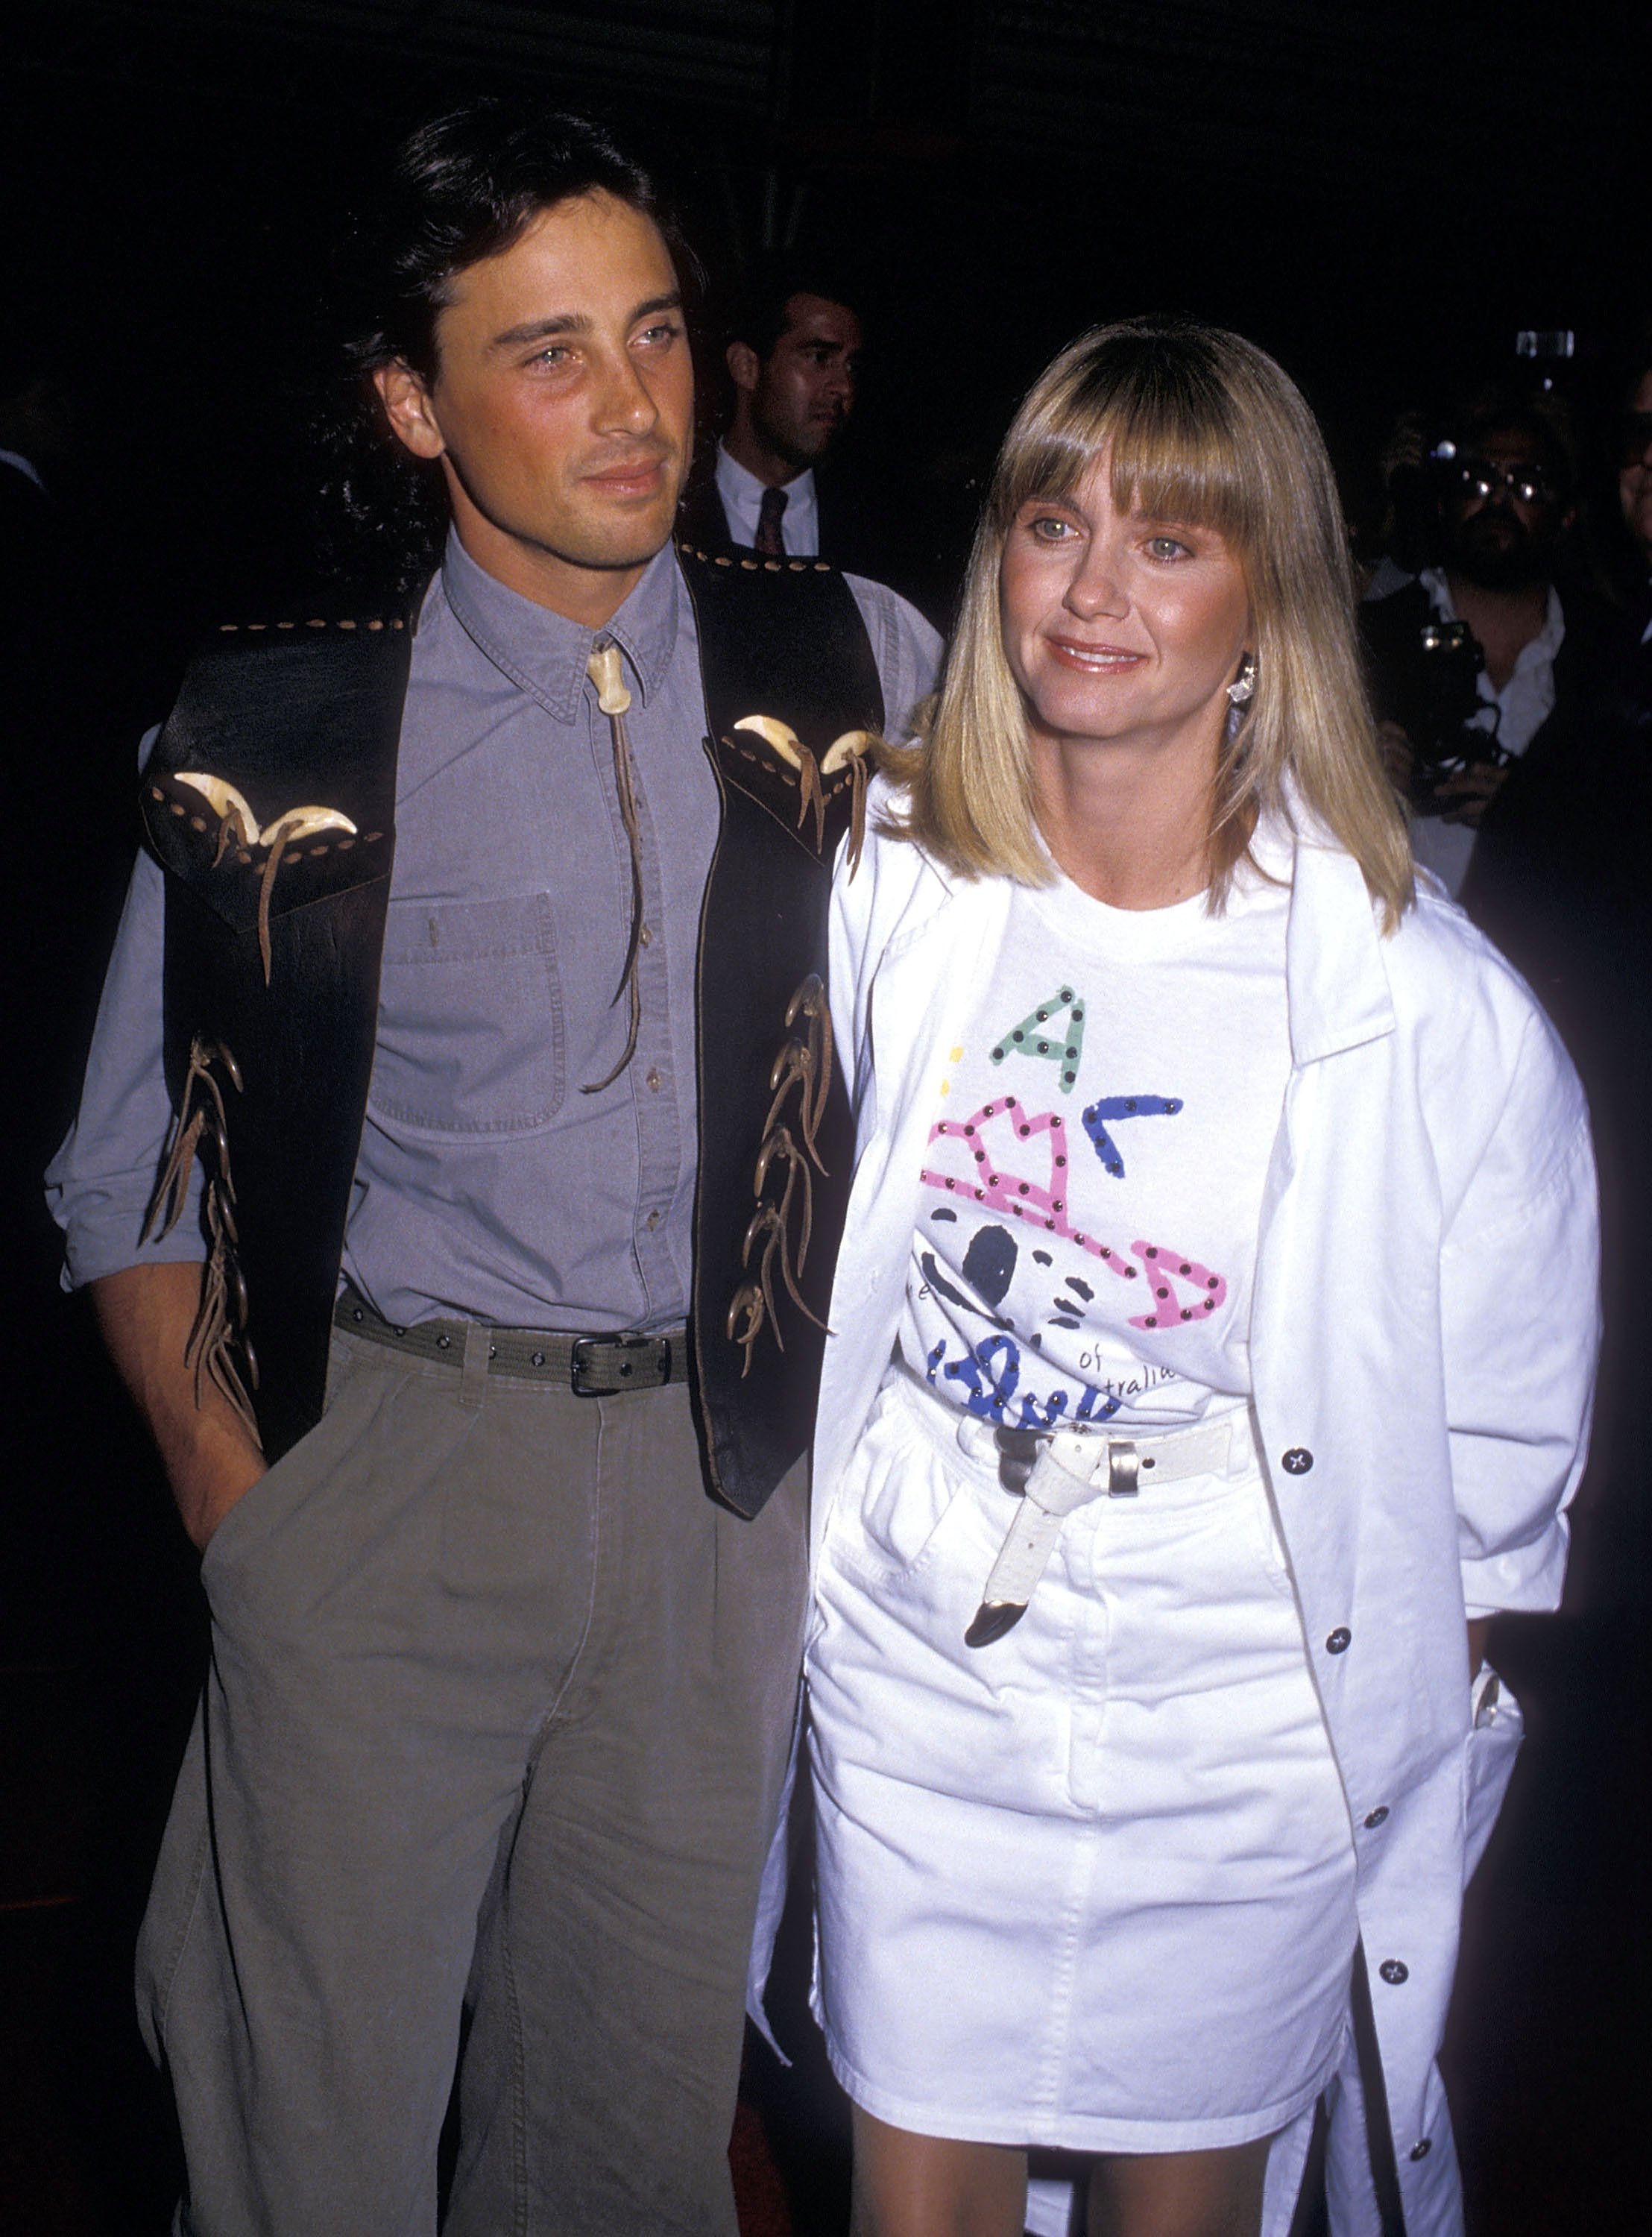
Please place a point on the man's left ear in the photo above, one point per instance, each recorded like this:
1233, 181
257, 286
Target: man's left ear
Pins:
745, 366
410, 409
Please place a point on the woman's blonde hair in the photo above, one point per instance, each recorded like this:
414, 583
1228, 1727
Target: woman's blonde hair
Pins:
1201, 427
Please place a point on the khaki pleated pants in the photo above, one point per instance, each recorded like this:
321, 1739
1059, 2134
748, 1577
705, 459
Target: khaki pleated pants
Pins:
484, 1772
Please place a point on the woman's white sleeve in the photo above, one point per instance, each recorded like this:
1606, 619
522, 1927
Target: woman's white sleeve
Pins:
1520, 1308
848, 971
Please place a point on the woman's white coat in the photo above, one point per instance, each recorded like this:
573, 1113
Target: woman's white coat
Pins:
1423, 1330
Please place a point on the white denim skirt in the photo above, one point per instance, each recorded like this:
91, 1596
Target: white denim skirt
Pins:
1090, 1886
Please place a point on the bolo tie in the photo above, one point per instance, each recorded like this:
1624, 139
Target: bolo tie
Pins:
614, 699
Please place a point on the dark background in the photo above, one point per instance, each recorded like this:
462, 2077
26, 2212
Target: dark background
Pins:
1380, 194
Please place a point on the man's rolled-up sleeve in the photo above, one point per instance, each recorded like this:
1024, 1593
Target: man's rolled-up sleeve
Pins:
100, 1182
1520, 1283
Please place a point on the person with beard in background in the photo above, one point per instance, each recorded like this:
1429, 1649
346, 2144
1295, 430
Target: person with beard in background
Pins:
1503, 503
1560, 879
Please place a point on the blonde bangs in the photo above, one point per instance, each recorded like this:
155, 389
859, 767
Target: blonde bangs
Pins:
1199, 427
1169, 441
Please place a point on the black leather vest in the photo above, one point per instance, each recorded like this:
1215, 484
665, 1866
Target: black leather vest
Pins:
275, 925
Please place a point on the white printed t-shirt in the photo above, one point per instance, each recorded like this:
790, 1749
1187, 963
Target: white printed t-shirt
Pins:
1093, 1181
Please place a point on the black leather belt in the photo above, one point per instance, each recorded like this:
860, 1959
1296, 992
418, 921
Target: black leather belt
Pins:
590, 1366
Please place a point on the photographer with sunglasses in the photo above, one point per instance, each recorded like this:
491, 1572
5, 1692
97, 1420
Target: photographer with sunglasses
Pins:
1465, 659
1561, 879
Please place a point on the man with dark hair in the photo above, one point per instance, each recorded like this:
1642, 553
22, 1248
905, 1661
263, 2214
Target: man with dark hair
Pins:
467, 1001
1502, 499
792, 357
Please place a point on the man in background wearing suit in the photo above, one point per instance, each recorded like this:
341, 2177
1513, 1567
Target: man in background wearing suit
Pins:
792, 357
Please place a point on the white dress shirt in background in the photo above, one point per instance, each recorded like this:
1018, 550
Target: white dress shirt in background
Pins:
1516, 715
742, 495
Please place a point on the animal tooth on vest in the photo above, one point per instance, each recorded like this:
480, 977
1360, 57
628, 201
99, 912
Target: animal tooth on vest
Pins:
779, 1145
235, 810
780, 736
235, 816
220, 1325
747, 1313
767, 1223
843, 750
810, 1001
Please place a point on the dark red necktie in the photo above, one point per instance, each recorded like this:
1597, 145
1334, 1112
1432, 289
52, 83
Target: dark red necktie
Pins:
770, 513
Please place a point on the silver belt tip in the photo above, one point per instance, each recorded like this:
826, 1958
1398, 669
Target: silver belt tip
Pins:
992, 1620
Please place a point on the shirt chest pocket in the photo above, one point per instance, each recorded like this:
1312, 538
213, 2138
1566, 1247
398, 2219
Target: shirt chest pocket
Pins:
470, 1038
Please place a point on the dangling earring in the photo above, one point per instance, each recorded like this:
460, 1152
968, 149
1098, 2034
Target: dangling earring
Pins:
1240, 690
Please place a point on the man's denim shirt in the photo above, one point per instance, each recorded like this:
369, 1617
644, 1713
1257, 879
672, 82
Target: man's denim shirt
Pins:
488, 1185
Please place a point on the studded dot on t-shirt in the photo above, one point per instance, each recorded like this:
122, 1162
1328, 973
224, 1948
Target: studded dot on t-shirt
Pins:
1187, 1002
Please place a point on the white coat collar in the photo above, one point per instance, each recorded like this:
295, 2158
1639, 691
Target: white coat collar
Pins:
1336, 981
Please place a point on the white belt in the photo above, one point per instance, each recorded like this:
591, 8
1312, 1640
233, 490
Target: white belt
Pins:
1054, 1473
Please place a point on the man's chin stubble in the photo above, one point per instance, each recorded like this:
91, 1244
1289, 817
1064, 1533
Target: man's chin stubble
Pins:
608, 554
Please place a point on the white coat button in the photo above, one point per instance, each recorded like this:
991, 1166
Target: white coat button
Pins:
1298, 1461
1340, 1641
1393, 1972
1420, 2151
1376, 1816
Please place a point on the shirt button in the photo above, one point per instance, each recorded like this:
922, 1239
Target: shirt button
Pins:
1377, 1816
1420, 2151
1340, 1641
1298, 1461
652, 1221
654, 1081
1393, 1972
645, 935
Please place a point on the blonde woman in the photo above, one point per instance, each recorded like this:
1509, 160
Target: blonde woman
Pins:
1212, 1342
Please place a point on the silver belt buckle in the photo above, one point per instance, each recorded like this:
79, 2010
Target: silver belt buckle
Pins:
1017, 1452
634, 1362
1124, 1468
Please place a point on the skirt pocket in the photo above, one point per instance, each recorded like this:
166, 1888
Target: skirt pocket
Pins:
1264, 1534
894, 1499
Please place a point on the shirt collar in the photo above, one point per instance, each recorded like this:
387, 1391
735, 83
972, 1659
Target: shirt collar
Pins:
739, 483
544, 653
1544, 646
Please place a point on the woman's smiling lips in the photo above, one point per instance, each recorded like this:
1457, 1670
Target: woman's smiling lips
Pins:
1093, 659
